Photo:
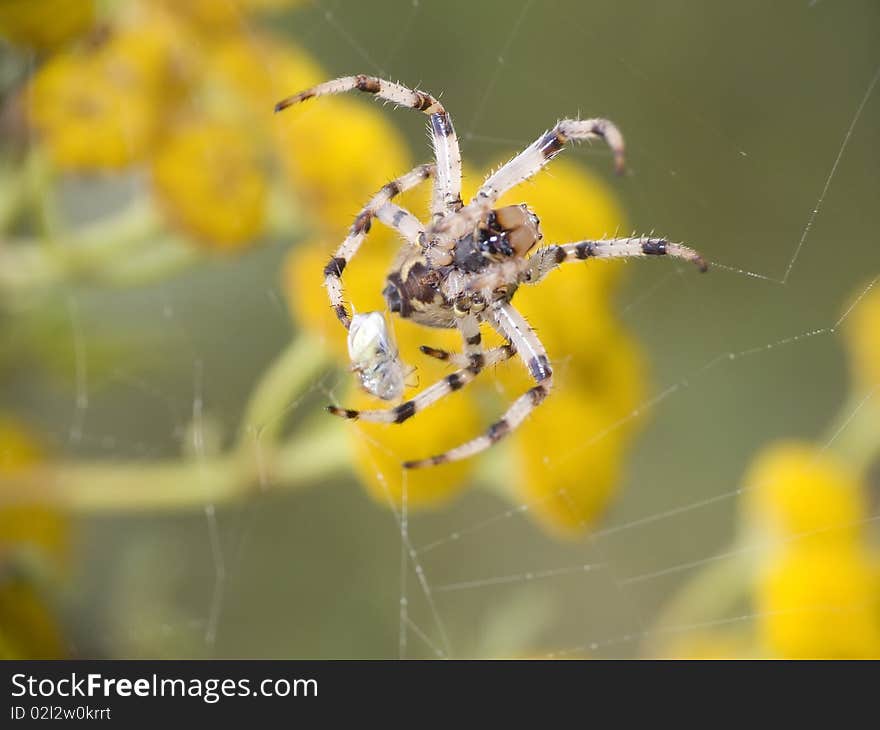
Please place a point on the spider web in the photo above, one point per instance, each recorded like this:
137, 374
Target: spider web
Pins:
752, 136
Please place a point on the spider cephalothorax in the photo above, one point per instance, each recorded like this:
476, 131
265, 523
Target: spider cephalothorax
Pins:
437, 296
462, 269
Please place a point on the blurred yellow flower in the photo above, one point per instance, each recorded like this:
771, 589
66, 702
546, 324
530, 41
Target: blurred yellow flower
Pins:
26, 527
254, 71
222, 15
45, 24
18, 449
796, 490
197, 110
28, 629
863, 340
340, 151
817, 591
600, 375
209, 180
820, 601
803, 552
99, 107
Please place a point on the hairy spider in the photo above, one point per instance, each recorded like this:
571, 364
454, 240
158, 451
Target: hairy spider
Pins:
463, 267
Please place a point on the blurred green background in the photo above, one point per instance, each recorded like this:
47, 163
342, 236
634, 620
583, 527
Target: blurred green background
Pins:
734, 114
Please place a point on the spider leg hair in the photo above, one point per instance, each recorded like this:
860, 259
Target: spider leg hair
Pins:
526, 164
544, 260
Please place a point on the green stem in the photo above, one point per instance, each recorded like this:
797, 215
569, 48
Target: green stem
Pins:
40, 181
258, 462
273, 398
13, 195
712, 592
100, 487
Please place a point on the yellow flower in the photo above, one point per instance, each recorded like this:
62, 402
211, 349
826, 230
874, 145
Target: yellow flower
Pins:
100, 107
795, 490
222, 15
45, 24
28, 629
198, 110
18, 449
209, 180
820, 601
818, 592
255, 71
26, 527
863, 339
340, 151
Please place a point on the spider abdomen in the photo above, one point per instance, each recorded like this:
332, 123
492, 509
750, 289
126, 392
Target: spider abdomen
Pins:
414, 291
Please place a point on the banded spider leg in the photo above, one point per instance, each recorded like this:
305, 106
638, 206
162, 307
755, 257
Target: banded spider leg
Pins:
544, 260
511, 325
389, 214
473, 362
447, 190
445, 232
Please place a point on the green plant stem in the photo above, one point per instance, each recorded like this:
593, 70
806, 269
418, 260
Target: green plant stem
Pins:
133, 486
13, 195
711, 592
272, 399
258, 462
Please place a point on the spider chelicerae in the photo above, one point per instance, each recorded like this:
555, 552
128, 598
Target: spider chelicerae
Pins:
463, 267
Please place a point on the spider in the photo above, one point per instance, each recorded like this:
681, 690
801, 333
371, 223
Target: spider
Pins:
463, 267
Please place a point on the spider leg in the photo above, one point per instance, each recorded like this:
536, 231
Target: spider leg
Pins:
544, 260
491, 357
469, 326
359, 229
473, 354
511, 325
444, 232
447, 190
402, 221
433, 393
536, 156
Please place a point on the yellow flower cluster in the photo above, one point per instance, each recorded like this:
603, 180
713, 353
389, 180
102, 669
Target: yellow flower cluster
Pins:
185, 89
600, 377
817, 594
28, 629
45, 24
803, 553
